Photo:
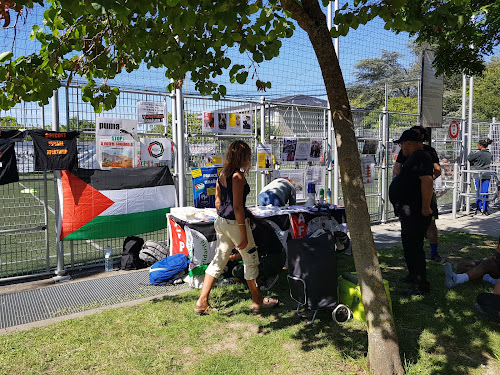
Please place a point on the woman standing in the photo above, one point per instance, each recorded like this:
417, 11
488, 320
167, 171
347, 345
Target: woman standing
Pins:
481, 160
233, 228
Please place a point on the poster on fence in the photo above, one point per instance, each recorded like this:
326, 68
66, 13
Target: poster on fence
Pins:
246, 123
222, 122
110, 127
115, 152
315, 175
151, 112
368, 169
234, 123
264, 157
204, 181
303, 149
199, 149
208, 125
289, 147
316, 149
213, 159
156, 149
296, 177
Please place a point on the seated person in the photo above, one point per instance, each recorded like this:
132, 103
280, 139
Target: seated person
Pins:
489, 303
278, 193
488, 269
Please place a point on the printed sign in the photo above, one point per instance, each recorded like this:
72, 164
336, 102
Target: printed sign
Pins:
156, 149
151, 112
115, 152
264, 157
204, 182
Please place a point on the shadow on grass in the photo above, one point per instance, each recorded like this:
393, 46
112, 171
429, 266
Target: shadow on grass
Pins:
439, 333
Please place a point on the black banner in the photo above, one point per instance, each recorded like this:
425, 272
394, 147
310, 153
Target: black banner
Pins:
8, 164
55, 150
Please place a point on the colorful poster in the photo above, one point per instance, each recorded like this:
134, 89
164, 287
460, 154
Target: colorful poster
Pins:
208, 122
303, 149
115, 152
368, 169
316, 149
204, 181
246, 124
289, 147
151, 112
156, 149
214, 159
234, 123
264, 157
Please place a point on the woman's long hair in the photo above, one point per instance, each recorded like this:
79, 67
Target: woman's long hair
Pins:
238, 157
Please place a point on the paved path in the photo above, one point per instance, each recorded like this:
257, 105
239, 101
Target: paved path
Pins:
389, 234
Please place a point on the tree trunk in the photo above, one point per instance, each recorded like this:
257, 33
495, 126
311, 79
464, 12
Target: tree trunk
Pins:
383, 348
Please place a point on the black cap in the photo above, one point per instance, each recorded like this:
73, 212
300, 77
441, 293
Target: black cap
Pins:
409, 135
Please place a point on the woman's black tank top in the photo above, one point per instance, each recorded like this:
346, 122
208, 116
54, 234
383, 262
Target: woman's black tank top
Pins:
226, 209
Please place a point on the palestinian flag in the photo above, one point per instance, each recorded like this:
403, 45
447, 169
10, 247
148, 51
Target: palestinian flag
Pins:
113, 203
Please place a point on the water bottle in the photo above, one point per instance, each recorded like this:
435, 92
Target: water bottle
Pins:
108, 260
311, 195
321, 196
328, 196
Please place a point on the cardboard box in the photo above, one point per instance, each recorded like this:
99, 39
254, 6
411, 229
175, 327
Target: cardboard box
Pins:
350, 295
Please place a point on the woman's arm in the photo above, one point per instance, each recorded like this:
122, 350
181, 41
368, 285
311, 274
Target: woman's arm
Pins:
217, 196
239, 209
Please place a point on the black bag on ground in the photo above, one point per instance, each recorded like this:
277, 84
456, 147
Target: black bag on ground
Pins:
130, 257
152, 252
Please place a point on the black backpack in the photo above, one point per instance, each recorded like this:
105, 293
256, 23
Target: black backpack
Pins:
130, 257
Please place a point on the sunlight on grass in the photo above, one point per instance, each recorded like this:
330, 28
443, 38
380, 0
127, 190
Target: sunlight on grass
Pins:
439, 333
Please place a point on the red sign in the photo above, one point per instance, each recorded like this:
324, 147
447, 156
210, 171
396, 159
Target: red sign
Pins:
178, 243
454, 129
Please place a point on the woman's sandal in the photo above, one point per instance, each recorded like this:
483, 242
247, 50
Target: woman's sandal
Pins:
204, 310
267, 303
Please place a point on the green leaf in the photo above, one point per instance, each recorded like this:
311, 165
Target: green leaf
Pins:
4, 56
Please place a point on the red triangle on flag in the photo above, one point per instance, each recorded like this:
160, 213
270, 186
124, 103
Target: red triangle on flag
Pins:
81, 203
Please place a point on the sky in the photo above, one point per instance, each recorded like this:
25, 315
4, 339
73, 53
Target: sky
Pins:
295, 71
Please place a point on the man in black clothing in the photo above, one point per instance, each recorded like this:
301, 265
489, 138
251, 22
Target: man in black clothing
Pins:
410, 193
432, 232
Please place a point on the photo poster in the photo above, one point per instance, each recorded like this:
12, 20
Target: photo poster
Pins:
370, 147
204, 182
213, 159
234, 123
294, 175
368, 169
208, 125
155, 149
246, 123
152, 113
289, 147
115, 152
222, 122
264, 157
303, 149
316, 149
316, 175
116, 143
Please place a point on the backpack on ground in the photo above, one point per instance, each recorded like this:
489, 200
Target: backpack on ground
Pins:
130, 256
168, 269
152, 252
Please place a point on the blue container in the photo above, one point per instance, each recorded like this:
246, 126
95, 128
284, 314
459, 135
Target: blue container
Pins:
311, 188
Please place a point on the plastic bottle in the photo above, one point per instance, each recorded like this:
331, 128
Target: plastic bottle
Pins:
321, 196
328, 196
108, 260
311, 195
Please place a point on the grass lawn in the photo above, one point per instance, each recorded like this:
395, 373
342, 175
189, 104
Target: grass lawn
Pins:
438, 333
